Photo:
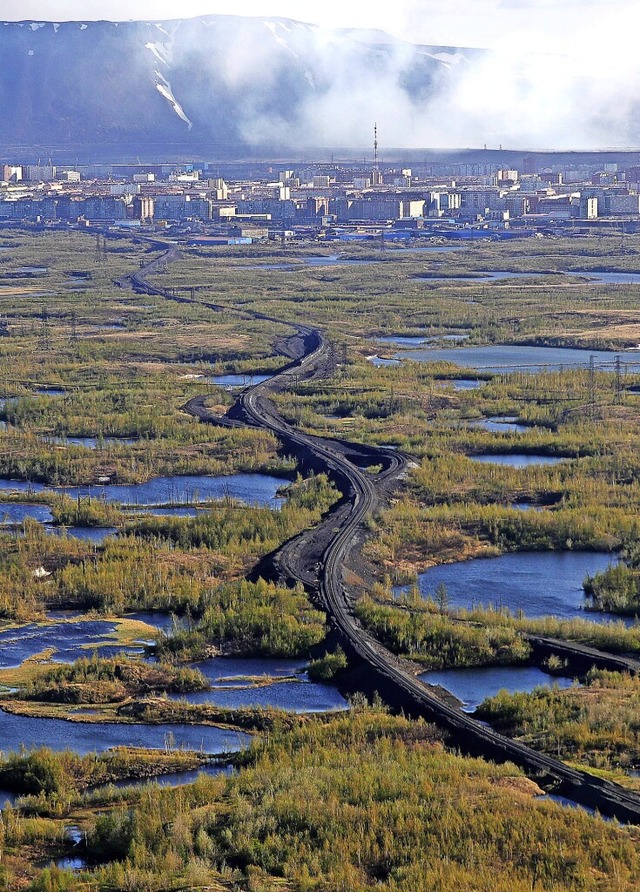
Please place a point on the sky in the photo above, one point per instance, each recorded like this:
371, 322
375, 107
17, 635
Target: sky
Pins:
552, 25
562, 73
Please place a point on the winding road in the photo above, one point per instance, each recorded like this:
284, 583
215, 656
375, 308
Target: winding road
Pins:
317, 557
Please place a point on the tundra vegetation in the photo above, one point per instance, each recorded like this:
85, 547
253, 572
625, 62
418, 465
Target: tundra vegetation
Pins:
350, 803
594, 725
362, 799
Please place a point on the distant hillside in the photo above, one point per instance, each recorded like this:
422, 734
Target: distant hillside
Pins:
215, 84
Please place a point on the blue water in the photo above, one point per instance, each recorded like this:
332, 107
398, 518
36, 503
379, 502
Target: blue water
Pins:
511, 358
540, 583
380, 363
232, 687
16, 512
464, 383
238, 380
71, 641
602, 278
515, 460
482, 276
50, 391
610, 278
301, 262
97, 535
162, 621
417, 341
7, 797
251, 488
176, 778
294, 696
526, 506
169, 512
472, 686
229, 678
84, 737
501, 424
91, 442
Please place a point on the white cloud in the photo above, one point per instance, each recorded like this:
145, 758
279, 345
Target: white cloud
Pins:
564, 73
546, 25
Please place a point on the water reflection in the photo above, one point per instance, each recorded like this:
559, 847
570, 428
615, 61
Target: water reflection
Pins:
472, 686
539, 583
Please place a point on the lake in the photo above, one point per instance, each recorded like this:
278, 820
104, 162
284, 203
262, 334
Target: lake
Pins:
512, 358
12, 513
517, 460
96, 535
472, 686
501, 424
250, 488
69, 639
540, 583
418, 340
91, 442
88, 737
233, 684
381, 363
237, 380
326, 260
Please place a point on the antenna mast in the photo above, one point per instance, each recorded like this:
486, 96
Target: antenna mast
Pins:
375, 145
376, 178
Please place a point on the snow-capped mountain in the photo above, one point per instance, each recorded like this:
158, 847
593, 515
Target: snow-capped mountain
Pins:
219, 82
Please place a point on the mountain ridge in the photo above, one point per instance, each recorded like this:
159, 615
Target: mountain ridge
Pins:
211, 82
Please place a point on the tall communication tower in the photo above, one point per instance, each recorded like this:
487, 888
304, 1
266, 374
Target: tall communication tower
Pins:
376, 178
375, 146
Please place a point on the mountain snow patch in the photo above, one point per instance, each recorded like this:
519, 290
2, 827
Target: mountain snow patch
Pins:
165, 90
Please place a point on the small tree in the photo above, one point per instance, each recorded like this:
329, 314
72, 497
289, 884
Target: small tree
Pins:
442, 597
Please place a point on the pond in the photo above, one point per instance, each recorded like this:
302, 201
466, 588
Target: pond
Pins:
87, 737
13, 513
472, 686
91, 442
464, 383
248, 682
501, 424
378, 362
50, 391
176, 511
540, 583
68, 638
96, 535
517, 460
513, 358
418, 340
326, 260
237, 380
250, 488
484, 276
609, 278
175, 778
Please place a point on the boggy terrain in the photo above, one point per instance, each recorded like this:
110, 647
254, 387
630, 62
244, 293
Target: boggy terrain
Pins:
575, 414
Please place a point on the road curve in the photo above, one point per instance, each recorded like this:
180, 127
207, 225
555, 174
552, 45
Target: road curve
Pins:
336, 535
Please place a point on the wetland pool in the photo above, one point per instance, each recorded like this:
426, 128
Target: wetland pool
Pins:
499, 358
501, 424
17, 731
539, 583
179, 489
472, 686
517, 460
